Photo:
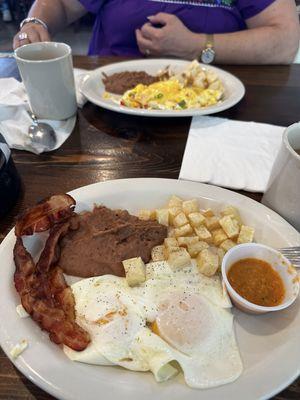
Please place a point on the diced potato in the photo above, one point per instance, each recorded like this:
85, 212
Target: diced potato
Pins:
173, 211
220, 253
212, 223
186, 240
190, 206
135, 271
171, 232
145, 215
179, 258
180, 220
203, 233
184, 230
169, 250
227, 245
218, 236
157, 253
196, 219
230, 226
171, 242
246, 234
208, 213
233, 212
195, 248
175, 202
207, 262
162, 216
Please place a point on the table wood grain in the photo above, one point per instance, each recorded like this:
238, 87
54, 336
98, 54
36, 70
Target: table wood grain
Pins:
106, 145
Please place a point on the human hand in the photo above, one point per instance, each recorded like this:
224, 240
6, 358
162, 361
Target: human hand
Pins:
34, 32
172, 39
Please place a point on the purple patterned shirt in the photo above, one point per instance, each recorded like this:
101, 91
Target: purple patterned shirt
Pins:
116, 20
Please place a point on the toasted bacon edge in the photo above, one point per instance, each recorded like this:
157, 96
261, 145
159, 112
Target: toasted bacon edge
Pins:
40, 218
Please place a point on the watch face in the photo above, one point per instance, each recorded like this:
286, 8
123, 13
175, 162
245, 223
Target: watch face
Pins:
208, 56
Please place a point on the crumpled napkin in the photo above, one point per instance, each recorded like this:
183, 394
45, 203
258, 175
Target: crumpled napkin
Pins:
234, 154
15, 121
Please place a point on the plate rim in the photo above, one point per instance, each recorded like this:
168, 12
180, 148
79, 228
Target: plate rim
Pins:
160, 113
61, 393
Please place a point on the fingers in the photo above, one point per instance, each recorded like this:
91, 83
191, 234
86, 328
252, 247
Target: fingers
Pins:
44, 34
149, 32
17, 42
145, 45
33, 35
34, 32
160, 18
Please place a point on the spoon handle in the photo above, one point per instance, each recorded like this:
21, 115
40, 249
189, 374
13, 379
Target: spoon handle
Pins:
33, 117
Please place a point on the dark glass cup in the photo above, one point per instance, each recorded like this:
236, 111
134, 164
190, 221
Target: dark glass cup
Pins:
10, 183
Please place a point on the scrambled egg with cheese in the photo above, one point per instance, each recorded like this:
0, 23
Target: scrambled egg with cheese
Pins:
194, 87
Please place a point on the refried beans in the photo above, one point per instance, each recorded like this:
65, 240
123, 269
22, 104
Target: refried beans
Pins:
98, 242
120, 82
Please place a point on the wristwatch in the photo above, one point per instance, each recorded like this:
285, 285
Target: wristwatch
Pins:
34, 21
208, 53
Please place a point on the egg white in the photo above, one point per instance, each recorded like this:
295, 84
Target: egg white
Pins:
193, 325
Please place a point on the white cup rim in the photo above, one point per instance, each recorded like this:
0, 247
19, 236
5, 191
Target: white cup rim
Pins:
286, 140
66, 46
247, 304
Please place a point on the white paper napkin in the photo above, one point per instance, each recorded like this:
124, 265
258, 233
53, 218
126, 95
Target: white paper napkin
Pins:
15, 121
233, 154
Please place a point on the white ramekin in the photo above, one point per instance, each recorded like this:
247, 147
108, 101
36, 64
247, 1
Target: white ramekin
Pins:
280, 263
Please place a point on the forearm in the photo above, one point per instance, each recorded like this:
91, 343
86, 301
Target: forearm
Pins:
263, 45
55, 13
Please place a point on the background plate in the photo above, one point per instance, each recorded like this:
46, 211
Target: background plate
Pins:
93, 88
269, 344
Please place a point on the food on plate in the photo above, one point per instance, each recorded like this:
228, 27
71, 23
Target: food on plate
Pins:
120, 82
256, 281
153, 297
96, 242
42, 286
40, 218
175, 315
22, 313
99, 240
203, 235
135, 271
193, 87
18, 349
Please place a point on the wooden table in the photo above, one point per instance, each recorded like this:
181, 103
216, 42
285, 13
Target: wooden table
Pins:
106, 145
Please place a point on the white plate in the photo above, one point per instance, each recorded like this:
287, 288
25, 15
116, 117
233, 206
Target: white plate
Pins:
269, 344
92, 88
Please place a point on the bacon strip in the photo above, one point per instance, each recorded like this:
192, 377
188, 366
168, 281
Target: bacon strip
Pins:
44, 292
48, 299
50, 253
48, 212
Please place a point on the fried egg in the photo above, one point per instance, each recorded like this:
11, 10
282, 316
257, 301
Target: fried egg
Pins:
173, 321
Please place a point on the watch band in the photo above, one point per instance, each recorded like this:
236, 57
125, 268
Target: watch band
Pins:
209, 43
34, 21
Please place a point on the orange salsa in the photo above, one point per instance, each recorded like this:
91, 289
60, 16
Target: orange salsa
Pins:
256, 281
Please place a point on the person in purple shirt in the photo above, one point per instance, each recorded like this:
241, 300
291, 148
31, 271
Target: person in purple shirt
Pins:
237, 31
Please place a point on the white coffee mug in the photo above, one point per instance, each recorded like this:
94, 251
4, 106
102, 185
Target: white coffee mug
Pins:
46, 69
283, 189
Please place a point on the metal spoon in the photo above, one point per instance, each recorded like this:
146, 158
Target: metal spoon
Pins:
41, 133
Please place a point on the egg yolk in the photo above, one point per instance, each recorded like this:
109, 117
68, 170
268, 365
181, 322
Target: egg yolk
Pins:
184, 321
